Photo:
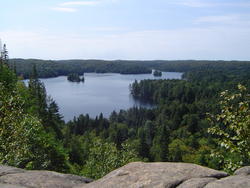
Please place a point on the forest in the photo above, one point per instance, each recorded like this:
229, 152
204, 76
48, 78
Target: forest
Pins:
203, 118
49, 68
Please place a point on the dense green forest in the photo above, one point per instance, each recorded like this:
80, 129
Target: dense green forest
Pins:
193, 121
49, 68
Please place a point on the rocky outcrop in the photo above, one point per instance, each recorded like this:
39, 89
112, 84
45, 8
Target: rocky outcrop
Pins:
17, 178
158, 175
133, 175
243, 171
240, 179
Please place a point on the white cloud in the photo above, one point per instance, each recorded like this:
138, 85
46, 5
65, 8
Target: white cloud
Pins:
242, 20
219, 42
203, 3
77, 3
64, 9
193, 3
216, 19
67, 6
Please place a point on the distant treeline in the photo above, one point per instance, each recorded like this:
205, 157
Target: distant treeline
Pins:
49, 68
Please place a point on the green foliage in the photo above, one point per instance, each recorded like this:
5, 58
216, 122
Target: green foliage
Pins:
23, 142
7, 78
105, 157
160, 150
48, 69
64, 67
232, 128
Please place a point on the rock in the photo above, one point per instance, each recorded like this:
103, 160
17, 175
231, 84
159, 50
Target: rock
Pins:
133, 175
196, 182
9, 170
243, 171
158, 175
10, 186
44, 179
231, 182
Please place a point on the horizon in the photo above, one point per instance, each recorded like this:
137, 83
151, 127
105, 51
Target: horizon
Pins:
215, 60
198, 30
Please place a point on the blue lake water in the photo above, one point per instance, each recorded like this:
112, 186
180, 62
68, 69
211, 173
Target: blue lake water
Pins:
100, 93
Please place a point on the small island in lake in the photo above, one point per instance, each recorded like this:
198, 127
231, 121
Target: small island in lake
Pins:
157, 73
74, 77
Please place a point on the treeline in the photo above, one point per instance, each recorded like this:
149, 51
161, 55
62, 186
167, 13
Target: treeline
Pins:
49, 68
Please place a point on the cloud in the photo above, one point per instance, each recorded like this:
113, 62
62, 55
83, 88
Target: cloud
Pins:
193, 3
64, 9
67, 6
209, 3
79, 3
218, 19
242, 20
220, 42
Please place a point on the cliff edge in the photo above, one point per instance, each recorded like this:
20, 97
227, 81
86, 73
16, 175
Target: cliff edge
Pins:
132, 175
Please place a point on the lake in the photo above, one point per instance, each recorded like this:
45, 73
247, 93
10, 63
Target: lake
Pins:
100, 93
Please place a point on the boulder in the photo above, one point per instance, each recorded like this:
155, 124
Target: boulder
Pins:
158, 175
4, 170
243, 171
133, 175
231, 182
36, 179
196, 182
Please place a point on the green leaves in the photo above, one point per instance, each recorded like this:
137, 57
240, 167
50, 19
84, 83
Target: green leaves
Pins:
232, 127
105, 157
23, 140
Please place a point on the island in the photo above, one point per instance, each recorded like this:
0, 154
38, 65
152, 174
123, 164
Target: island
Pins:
157, 73
74, 77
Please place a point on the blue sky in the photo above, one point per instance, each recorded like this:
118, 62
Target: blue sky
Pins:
127, 29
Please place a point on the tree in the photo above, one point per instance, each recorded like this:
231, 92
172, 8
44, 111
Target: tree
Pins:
4, 57
104, 157
23, 141
54, 118
143, 147
38, 96
232, 129
160, 148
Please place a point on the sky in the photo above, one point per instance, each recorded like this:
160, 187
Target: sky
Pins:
126, 29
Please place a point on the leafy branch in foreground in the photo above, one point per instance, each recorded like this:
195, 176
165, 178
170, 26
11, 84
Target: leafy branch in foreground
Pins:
232, 129
23, 140
105, 157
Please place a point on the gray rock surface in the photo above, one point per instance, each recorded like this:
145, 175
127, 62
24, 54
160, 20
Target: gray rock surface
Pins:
231, 182
10, 186
196, 182
158, 175
243, 171
38, 179
9, 170
133, 175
